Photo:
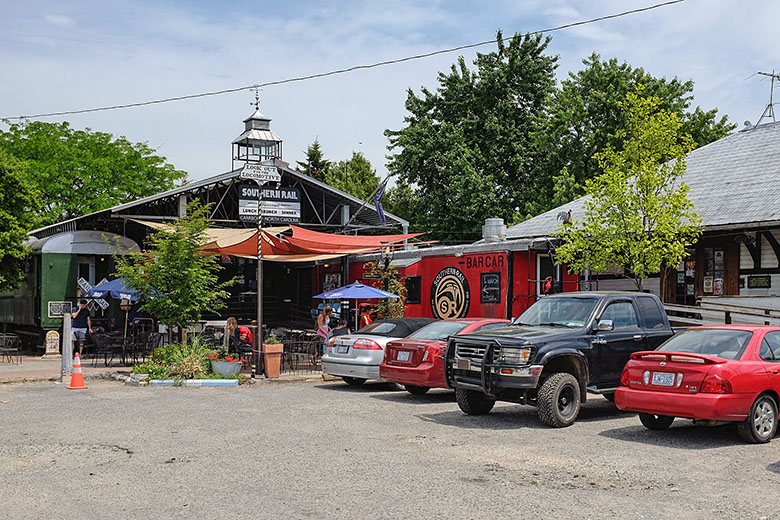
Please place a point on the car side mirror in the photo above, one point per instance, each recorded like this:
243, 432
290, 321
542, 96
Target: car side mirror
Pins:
605, 325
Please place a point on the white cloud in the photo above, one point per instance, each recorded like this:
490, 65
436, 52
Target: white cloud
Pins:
60, 19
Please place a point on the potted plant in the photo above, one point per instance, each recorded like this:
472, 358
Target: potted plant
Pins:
225, 364
272, 354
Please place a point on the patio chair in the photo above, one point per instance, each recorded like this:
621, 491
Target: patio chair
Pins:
106, 347
9, 345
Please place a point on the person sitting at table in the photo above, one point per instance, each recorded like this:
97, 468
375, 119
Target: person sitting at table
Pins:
341, 329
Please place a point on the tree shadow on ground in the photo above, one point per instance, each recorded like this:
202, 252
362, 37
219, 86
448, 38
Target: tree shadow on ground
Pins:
682, 435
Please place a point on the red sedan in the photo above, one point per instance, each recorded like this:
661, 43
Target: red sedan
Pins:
725, 373
414, 360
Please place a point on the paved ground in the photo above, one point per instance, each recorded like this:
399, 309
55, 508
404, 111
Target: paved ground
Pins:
36, 368
324, 450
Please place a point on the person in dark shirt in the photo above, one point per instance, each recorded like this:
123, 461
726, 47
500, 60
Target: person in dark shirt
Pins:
342, 328
82, 323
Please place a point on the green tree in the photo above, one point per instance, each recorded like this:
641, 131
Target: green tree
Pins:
638, 216
586, 115
467, 149
401, 201
355, 176
315, 166
175, 281
18, 200
391, 281
81, 171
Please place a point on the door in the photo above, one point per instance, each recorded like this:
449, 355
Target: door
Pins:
617, 345
770, 352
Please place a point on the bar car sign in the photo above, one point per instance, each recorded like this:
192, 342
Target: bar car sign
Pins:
280, 205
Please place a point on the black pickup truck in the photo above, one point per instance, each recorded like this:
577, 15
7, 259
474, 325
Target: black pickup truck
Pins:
560, 348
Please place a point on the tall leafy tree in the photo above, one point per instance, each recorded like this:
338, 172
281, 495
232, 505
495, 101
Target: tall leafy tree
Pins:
315, 165
177, 284
586, 115
18, 199
355, 176
81, 171
401, 201
638, 217
467, 149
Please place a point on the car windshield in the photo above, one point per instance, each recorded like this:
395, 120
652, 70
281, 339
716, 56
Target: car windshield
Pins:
379, 328
439, 330
559, 311
723, 343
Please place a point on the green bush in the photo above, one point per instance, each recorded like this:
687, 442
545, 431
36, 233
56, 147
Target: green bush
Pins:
177, 361
155, 370
164, 354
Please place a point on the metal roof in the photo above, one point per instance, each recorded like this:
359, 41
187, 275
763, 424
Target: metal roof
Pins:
734, 184
368, 214
255, 134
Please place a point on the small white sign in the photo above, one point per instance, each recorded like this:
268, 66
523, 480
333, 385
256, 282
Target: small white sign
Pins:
261, 173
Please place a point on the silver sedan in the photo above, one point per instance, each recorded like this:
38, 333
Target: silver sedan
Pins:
356, 357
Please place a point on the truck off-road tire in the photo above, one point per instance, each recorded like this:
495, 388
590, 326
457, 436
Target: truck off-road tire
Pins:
472, 402
558, 403
417, 390
656, 422
761, 423
353, 381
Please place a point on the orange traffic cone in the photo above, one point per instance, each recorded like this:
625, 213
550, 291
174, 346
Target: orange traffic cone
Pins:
77, 378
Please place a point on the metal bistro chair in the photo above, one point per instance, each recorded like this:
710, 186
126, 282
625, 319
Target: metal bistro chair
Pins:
106, 347
9, 345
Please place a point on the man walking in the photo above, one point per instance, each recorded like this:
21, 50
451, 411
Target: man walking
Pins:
82, 322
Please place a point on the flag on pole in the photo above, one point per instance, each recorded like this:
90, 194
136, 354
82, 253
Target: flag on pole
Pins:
378, 203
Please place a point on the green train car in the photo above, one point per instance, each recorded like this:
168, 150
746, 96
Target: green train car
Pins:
52, 279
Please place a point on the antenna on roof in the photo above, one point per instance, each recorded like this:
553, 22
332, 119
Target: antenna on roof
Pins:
769, 111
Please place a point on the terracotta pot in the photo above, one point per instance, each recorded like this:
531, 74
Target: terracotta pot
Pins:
272, 355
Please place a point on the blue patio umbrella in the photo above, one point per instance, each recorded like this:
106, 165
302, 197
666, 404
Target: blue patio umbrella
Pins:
115, 289
356, 291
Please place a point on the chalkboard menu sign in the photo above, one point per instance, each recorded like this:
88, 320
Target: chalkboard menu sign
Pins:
490, 288
762, 281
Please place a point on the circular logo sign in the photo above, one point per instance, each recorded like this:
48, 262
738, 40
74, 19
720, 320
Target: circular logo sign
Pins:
450, 295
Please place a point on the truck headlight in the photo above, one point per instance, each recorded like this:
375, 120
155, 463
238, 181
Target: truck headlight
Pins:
515, 356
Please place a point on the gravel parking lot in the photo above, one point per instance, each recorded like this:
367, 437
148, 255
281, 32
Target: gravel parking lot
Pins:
325, 450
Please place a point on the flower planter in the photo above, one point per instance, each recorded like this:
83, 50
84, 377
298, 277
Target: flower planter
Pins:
272, 354
225, 368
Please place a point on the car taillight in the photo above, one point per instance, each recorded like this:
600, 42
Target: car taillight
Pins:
430, 353
624, 377
714, 384
366, 344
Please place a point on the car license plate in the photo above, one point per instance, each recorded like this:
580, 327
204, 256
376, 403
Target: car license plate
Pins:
342, 349
403, 355
663, 379
463, 364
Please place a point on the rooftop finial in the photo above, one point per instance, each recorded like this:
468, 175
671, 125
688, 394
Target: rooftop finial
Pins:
256, 103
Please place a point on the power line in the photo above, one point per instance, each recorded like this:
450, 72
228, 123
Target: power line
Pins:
342, 71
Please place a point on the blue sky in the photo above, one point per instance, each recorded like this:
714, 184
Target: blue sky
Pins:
79, 54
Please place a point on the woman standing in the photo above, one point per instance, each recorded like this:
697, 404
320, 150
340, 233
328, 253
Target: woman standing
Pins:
323, 328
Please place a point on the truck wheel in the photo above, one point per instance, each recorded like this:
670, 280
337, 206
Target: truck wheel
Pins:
353, 381
558, 403
417, 390
761, 423
656, 422
472, 402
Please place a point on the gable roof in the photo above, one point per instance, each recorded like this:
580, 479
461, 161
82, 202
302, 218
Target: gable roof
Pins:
734, 183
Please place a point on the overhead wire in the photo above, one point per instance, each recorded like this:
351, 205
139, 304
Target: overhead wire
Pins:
340, 71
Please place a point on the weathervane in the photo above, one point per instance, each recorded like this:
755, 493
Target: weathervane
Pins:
256, 102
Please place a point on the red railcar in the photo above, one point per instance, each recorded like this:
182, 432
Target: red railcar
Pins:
484, 280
